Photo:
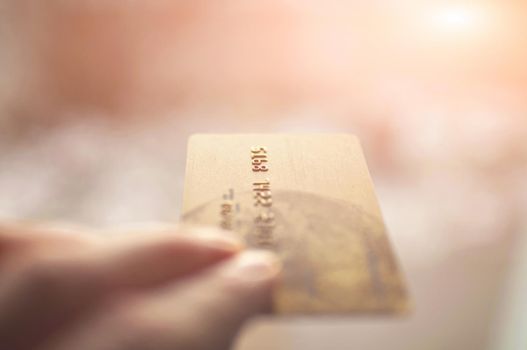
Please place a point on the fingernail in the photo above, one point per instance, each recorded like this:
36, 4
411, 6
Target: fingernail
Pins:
255, 265
217, 238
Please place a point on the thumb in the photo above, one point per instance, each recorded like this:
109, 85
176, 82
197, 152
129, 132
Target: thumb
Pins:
206, 312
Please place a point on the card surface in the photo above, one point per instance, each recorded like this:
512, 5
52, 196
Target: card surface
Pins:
310, 199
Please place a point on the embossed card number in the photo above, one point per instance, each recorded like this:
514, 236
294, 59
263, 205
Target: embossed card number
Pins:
259, 158
263, 199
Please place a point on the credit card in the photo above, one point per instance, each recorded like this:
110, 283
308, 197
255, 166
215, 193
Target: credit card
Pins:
308, 198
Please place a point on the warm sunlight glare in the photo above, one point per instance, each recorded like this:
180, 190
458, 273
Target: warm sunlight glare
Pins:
459, 19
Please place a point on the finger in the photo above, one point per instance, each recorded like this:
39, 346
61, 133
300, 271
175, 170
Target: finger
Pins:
17, 239
151, 258
203, 314
54, 290
43, 232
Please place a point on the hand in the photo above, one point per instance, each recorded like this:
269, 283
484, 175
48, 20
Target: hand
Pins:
173, 289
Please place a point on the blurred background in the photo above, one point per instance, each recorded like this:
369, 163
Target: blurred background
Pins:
97, 99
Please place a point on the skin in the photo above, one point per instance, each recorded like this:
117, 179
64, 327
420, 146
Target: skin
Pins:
154, 289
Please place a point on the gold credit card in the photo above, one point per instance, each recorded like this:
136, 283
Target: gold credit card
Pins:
310, 199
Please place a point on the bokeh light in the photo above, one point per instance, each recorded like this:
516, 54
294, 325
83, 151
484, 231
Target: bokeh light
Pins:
459, 19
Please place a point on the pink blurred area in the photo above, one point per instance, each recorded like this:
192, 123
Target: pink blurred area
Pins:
97, 100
